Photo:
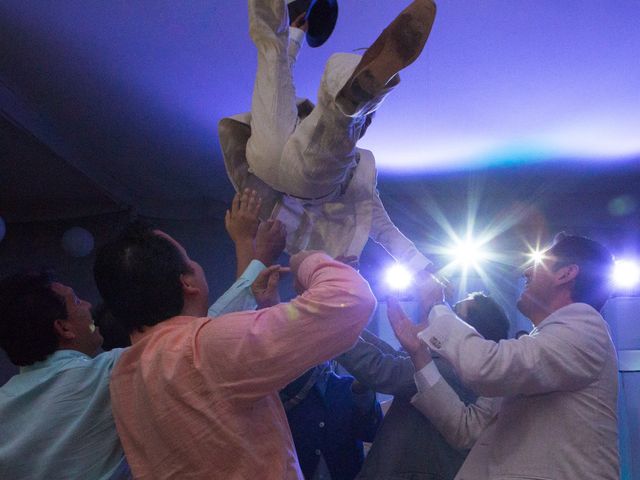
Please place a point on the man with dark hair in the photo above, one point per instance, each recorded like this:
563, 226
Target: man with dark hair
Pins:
550, 397
485, 315
55, 419
55, 415
408, 445
197, 397
144, 270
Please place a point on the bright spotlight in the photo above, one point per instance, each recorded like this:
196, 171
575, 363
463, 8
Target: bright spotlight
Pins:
468, 253
536, 256
398, 277
626, 274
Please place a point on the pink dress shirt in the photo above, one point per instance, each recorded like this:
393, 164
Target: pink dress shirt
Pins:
196, 398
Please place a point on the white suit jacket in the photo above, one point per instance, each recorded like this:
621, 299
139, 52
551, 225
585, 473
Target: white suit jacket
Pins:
550, 398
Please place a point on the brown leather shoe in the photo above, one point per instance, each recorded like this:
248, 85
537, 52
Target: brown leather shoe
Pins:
396, 48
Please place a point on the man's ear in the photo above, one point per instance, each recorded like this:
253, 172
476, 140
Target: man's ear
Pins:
61, 327
567, 274
188, 286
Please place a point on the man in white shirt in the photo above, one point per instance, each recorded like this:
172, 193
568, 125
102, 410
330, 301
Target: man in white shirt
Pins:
550, 397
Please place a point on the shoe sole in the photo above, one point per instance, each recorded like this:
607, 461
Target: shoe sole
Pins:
397, 47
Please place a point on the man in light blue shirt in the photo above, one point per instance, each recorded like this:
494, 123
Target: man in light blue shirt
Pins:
55, 415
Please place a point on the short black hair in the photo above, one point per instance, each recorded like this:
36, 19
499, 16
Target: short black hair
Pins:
487, 317
138, 275
593, 282
112, 330
28, 310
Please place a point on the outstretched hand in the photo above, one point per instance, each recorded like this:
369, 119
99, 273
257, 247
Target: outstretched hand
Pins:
405, 330
270, 241
241, 221
265, 286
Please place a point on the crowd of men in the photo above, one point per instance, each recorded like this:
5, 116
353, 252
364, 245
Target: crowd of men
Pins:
215, 392
249, 387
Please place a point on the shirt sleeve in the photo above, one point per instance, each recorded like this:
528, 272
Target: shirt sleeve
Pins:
258, 352
384, 232
239, 296
566, 352
383, 346
383, 372
296, 37
460, 424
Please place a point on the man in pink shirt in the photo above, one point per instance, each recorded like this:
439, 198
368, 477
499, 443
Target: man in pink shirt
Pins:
196, 397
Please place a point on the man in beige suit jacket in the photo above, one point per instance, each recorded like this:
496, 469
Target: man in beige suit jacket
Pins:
548, 409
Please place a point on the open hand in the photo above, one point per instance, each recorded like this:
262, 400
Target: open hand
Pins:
241, 221
270, 241
405, 330
265, 286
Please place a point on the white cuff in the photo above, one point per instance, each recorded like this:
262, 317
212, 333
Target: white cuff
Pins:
427, 377
296, 35
424, 335
417, 262
439, 309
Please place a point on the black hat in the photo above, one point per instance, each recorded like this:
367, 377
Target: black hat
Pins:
321, 16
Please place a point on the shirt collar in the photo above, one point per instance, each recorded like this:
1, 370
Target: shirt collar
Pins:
552, 316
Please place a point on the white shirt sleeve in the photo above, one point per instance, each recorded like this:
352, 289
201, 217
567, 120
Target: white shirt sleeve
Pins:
384, 232
296, 37
427, 377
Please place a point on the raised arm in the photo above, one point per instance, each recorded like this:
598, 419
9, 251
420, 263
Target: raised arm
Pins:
254, 287
389, 373
241, 222
459, 423
566, 352
239, 297
297, 31
266, 349
384, 232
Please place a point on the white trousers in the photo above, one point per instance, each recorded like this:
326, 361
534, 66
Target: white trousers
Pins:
311, 158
